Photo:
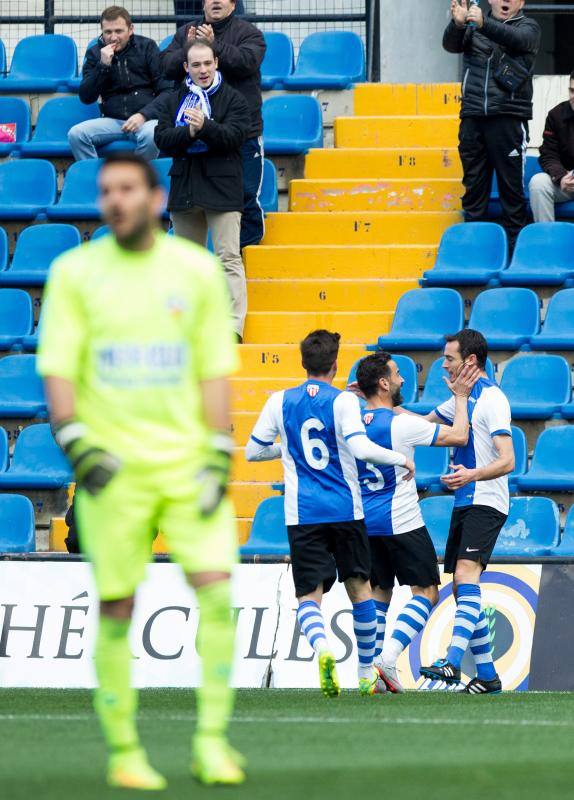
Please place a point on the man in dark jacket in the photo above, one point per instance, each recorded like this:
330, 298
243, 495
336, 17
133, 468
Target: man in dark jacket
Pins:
499, 53
123, 72
188, 7
240, 48
202, 126
556, 183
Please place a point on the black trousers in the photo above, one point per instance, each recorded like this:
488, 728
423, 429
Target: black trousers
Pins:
485, 145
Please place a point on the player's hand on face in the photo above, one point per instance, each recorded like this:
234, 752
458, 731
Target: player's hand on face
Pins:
410, 470
460, 477
459, 11
475, 15
464, 381
107, 53
206, 32
354, 389
133, 123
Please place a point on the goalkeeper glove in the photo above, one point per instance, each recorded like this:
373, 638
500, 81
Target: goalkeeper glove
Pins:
214, 477
93, 467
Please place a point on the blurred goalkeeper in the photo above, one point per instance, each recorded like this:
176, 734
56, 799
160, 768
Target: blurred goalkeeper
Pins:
136, 349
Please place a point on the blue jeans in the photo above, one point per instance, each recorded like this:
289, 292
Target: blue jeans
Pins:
252, 222
86, 137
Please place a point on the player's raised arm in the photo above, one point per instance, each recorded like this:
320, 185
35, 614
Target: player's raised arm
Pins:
261, 445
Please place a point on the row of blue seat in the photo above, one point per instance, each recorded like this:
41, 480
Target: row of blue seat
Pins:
531, 530
327, 60
292, 125
28, 189
17, 524
476, 254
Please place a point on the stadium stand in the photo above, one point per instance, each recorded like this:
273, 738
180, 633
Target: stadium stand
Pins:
542, 257
566, 546
268, 533
42, 64
558, 330
279, 60
551, 469
27, 188
14, 110
537, 386
17, 532
520, 456
56, 117
436, 513
36, 248
421, 319
507, 317
435, 389
430, 463
16, 317
292, 124
532, 528
37, 463
328, 60
470, 253
78, 199
21, 389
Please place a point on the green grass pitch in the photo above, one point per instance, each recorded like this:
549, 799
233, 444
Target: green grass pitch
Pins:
301, 746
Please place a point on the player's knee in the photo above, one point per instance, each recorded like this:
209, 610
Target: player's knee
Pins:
117, 609
358, 590
428, 592
467, 572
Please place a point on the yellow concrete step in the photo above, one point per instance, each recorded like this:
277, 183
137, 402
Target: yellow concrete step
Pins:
407, 99
396, 131
251, 394
327, 295
58, 532
292, 326
284, 360
242, 423
358, 227
338, 261
256, 471
380, 194
357, 162
247, 496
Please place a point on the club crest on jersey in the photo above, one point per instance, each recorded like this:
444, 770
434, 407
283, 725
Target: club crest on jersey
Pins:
176, 305
312, 390
368, 418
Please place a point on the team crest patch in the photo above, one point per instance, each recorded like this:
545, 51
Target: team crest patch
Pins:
368, 418
312, 390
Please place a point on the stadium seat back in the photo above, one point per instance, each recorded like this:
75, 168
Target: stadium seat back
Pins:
559, 319
4, 450
268, 532
101, 230
537, 379
430, 463
2, 57
407, 369
553, 453
36, 451
292, 124
21, 388
58, 115
166, 41
507, 316
544, 247
26, 183
17, 524
339, 54
566, 546
428, 312
278, 62
48, 56
15, 110
269, 196
436, 513
532, 527
39, 245
16, 313
474, 246
4, 249
520, 453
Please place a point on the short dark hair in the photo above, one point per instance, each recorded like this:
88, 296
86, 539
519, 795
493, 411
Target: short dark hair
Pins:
115, 12
471, 343
572, 75
200, 43
127, 157
319, 351
370, 371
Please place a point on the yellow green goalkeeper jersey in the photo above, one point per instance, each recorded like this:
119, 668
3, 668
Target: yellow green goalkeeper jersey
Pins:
136, 332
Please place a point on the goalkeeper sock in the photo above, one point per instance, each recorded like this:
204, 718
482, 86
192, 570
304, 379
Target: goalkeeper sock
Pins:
482, 650
468, 601
365, 628
215, 643
410, 622
382, 609
311, 622
115, 700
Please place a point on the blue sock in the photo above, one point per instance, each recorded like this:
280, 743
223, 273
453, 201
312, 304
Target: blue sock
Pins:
468, 602
410, 622
310, 621
365, 627
381, 609
481, 648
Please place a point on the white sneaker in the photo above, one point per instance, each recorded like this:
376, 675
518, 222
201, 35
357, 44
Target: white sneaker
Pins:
389, 675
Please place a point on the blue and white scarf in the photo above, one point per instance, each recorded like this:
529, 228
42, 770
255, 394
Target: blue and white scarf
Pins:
197, 97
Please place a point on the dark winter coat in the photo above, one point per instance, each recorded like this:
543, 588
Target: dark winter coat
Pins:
557, 150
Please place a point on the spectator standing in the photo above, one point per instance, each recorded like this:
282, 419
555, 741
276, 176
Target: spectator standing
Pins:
499, 51
556, 183
123, 72
188, 7
240, 48
203, 126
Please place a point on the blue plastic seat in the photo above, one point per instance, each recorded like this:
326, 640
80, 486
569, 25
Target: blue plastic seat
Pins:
328, 60
292, 124
17, 524
532, 528
536, 386
437, 512
2, 57
74, 83
520, 456
27, 188
268, 533
558, 329
36, 248
42, 64
14, 109
4, 450
422, 318
4, 249
38, 462
55, 119
16, 317
269, 196
542, 257
101, 230
279, 60
552, 467
407, 369
166, 41
566, 547
435, 390
531, 167
21, 388
430, 463
470, 254
507, 317
79, 193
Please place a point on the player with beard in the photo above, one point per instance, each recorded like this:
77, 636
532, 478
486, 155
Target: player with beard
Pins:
401, 547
